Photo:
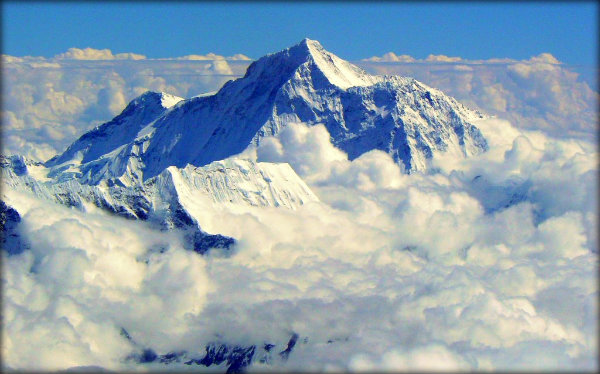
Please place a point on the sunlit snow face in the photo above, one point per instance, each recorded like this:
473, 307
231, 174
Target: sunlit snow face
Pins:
388, 271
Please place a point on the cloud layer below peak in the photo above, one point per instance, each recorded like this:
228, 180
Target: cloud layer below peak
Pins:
487, 263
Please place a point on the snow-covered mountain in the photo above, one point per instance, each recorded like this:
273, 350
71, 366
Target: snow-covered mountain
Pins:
303, 83
173, 162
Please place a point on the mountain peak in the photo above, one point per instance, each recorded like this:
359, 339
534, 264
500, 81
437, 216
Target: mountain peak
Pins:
310, 55
120, 130
303, 51
338, 72
310, 59
164, 99
310, 43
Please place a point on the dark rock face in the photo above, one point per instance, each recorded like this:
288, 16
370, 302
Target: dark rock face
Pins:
10, 239
8, 217
148, 355
235, 357
204, 242
291, 344
179, 217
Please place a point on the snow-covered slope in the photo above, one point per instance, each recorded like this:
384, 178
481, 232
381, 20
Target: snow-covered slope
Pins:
230, 182
10, 239
120, 130
303, 83
242, 182
176, 198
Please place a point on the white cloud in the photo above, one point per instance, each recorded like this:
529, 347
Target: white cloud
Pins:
391, 57
307, 150
9, 59
211, 56
429, 358
442, 58
87, 276
395, 271
67, 95
96, 54
545, 58
13, 144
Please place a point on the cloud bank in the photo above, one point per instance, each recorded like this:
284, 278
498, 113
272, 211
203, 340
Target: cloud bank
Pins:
485, 263
96, 54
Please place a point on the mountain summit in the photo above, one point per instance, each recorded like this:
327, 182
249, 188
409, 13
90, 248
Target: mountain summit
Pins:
309, 56
303, 83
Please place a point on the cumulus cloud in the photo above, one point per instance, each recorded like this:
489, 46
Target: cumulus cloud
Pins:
391, 57
96, 54
9, 59
497, 260
212, 56
429, 358
85, 278
545, 58
468, 267
442, 58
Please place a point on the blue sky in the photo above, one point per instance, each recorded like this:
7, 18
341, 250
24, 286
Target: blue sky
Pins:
351, 30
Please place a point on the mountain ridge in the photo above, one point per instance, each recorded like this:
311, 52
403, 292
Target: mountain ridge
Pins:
118, 131
176, 199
